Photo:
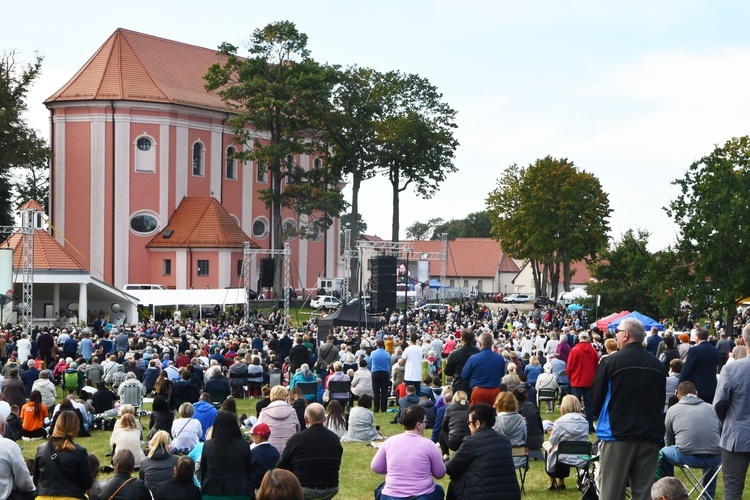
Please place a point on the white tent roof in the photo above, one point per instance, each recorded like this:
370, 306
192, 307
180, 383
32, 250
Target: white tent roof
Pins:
222, 296
577, 293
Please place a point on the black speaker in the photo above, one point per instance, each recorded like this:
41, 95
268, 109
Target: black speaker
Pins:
383, 282
267, 268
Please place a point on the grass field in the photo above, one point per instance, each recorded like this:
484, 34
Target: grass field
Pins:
356, 480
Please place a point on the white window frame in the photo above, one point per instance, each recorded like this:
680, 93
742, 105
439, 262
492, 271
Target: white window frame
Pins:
267, 226
145, 161
202, 166
226, 164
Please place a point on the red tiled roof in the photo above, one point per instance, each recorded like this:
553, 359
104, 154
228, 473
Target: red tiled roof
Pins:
470, 257
49, 255
139, 67
579, 273
31, 205
200, 222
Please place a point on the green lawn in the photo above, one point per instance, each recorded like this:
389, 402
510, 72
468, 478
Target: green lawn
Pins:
357, 481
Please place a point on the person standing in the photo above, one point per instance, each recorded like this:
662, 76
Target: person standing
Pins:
732, 406
700, 366
458, 358
582, 363
14, 475
483, 468
314, 456
413, 367
381, 367
628, 393
484, 371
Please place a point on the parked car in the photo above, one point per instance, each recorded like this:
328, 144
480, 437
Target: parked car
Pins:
433, 307
325, 302
543, 302
516, 298
365, 301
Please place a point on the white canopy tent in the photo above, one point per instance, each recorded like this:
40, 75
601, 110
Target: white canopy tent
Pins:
190, 297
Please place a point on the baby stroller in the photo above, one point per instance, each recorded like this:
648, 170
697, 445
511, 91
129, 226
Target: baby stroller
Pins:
587, 475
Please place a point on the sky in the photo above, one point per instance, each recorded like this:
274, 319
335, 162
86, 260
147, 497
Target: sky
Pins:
633, 92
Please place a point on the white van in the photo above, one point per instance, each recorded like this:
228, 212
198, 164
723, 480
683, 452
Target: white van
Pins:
131, 286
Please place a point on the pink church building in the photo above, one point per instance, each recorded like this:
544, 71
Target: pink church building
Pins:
142, 186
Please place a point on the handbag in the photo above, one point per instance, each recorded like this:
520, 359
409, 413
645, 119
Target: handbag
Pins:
326, 396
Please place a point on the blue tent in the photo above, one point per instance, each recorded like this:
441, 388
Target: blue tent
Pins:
648, 323
574, 307
435, 283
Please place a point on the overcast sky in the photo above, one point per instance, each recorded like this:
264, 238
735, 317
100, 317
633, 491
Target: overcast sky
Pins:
633, 92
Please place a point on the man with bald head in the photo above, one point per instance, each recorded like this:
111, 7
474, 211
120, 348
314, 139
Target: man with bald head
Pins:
314, 456
484, 371
628, 394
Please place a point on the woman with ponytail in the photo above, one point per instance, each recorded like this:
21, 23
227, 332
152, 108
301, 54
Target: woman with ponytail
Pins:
61, 468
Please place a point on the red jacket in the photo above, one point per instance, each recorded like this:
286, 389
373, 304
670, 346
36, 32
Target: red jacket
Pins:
582, 363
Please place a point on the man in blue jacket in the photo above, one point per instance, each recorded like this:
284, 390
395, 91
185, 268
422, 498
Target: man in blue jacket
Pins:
484, 371
628, 394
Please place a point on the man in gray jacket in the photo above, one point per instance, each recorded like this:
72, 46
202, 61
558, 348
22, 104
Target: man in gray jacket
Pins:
692, 437
732, 405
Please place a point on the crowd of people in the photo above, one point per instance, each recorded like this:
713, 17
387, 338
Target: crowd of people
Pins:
476, 379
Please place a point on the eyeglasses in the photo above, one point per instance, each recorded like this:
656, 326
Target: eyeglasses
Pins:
620, 331
471, 422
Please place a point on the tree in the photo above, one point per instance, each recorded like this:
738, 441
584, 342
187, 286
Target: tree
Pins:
281, 94
713, 218
622, 275
420, 230
23, 153
475, 225
414, 139
550, 213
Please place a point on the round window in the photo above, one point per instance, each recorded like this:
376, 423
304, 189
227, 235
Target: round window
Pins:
315, 233
144, 144
144, 224
260, 228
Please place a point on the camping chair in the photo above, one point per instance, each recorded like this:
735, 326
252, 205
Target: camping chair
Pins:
340, 387
581, 450
274, 379
71, 381
131, 394
309, 390
563, 382
522, 466
697, 481
548, 395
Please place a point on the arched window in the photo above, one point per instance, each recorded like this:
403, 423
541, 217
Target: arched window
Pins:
317, 163
145, 154
479, 286
231, 164
466, 283
198, 159
452, 283
286, 229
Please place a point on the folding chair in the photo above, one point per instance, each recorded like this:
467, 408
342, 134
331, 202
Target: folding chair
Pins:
341, 387
580, 449
274, 379
521, 466
309, 389
548, 395
563, 382
697, 482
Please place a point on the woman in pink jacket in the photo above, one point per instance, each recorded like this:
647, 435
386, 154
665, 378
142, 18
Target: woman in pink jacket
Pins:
280, 417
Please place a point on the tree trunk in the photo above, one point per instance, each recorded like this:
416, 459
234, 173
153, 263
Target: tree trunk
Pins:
566, 272
729, 325
354, 225
536, 273
276, 241
394, 177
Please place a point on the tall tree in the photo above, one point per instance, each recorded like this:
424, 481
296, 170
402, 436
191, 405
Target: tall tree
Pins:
475, 225
415, 139
552, 214
280, 94
713, 218
421, 230
23, 153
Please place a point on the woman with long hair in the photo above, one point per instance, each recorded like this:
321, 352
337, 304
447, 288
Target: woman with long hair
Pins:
33, 414
181, 484
128, 437
336, 420
163, 385
511, 379
61, 467
297, 400
161, 417
225, 464
159, 464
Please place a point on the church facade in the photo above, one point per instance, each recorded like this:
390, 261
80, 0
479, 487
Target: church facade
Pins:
143, 186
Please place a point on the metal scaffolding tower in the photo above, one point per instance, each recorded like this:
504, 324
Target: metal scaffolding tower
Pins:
26, 230
248, 255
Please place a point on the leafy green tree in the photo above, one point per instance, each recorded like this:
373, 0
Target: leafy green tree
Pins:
552, 214
23, 153
475, 225
713, 217
414, 139
420, 230
280, 95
